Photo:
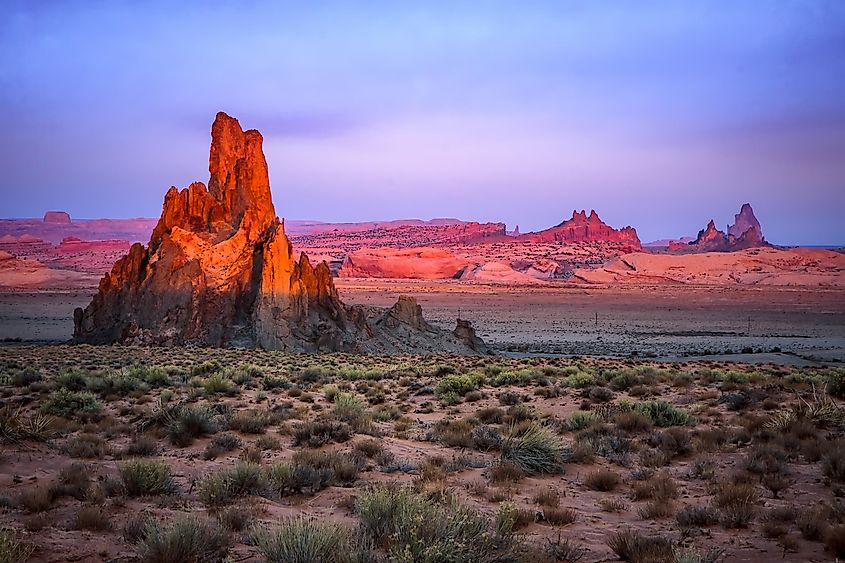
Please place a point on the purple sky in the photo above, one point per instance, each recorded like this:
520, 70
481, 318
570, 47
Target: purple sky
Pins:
657, 114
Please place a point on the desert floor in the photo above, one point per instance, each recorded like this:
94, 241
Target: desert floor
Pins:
127, 454
807, 325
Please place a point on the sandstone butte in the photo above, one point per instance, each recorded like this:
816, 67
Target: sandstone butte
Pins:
743, 234
220, 271
586, 228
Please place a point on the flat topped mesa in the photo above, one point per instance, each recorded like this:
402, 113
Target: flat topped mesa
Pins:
219, 271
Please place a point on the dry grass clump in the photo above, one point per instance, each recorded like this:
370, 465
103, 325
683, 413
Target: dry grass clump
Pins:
633, 546
737, 502
304, 540
603, 480
187, 538
13, 550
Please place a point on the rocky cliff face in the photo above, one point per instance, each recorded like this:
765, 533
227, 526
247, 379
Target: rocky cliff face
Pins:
219, 271
744, 233
584, 228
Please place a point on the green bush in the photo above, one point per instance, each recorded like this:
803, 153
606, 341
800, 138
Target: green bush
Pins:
221, 488
458, 384
413, 528
581, 419
218, 384
663, 414
187, 538
347, 407
535, 450
66, 403
580, 380
142, 477
190, 422
304, 540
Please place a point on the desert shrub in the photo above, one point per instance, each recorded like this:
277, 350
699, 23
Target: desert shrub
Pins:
321, 432
835, 382
206, 367
697, 516
581, 419
16, 426
579, 380
270, 382
563, 550
26, 376
663, 413
36, 499
635, 547
458, 384
250, 421
510, 518
187, 538
347, 407
602, 480
309, 472
189, 423
152, 376
218, 384
600, 394
490, 415
833, 461
535, 450
369, 447
304, 540
142, 446
235, 518
221, 444
486, 438
623, 380
675, 441
506, 472
453, 433
66, 404
737, 501
559, 516
229, 483
72, 380
660, 486
631, 421
656, 509
764, 459
87, 446
146, 477
811, 523
412, 527
549, 497
74, 481
11, 549
834, 539
92, 517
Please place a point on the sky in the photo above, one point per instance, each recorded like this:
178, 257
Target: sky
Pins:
657, 114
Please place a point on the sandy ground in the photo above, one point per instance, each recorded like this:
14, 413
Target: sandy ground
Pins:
671, 322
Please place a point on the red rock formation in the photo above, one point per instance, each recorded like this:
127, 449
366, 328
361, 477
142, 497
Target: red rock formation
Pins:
219, 271
583, 228
57, 217
744, 233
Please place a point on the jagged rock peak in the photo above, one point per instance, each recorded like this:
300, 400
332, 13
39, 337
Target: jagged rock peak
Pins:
745, 220
219, 271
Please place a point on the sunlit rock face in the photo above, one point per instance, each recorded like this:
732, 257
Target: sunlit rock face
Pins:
219, 271
586, 228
